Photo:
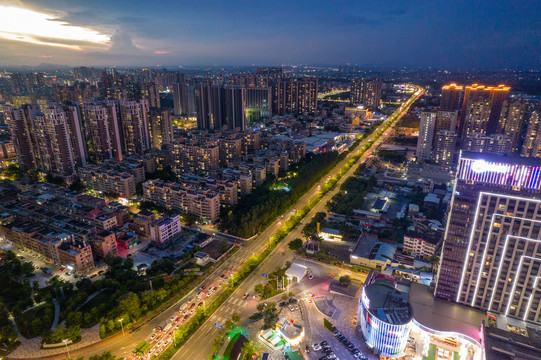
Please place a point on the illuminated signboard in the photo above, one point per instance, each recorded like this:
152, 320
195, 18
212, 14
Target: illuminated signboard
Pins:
499, 173
481, 166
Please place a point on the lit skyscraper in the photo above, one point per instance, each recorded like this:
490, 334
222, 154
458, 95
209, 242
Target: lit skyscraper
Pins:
135, 129
367, 93
258, 103
161, 127
444, 147
54, 152
450, 97
20, 126
532, 141
292, 96
491, 253
512, 120
102, 130
220, 106
426, 136
180, 96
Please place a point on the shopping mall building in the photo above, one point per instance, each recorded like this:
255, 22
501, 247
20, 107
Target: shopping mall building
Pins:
401, 320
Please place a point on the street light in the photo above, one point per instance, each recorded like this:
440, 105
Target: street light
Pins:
65, 341
122, 326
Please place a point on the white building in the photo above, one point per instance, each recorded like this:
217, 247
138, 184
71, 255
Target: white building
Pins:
164, 230
296, 272
329, 234
426, 136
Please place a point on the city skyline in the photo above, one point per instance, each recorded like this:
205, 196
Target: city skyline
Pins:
441, 35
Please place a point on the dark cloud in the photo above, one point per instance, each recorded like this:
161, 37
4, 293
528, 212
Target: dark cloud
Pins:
438, 33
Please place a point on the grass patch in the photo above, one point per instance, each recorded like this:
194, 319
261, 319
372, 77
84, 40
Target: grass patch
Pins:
328, 325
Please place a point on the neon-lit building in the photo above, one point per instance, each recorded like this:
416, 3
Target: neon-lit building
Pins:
385, 316
439, 329
291, 331
492, 249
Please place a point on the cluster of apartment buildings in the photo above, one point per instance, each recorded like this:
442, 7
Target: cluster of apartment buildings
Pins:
478, 118
74, 229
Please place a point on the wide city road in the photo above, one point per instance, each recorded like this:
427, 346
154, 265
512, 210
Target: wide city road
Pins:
198, 346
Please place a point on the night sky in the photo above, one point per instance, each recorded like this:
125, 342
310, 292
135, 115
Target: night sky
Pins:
446, 34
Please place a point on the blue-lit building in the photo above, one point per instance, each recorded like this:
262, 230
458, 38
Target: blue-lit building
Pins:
385, 316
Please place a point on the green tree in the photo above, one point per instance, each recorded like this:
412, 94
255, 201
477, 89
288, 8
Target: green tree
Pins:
235, 318
259, 289
105, 356
295, 245
130, 304
249, 348
345, 280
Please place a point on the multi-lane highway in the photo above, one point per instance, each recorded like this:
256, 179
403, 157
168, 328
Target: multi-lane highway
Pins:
198, 346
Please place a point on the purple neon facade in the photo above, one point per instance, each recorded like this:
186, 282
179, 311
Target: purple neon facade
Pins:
500, 173
479, 173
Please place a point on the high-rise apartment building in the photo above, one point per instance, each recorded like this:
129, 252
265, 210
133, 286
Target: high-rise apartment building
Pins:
103, 130
372, 96
367, 93
491, 241
54, 150
444, 147
532, 141
446, 120
20, 125
220, 106
497, 97
495, 94
151, 93
435, 137
511, 121
258, 104
426, 136
161, 127
75, 132
476, 117
135, 129
292, 96
450, 97
180, 96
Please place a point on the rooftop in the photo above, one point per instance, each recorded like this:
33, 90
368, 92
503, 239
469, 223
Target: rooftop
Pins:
442, 315
515, 160
387, 303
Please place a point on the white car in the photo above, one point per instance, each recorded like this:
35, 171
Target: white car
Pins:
316, 347
172, 318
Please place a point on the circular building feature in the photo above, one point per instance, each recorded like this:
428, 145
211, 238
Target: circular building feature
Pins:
385, 317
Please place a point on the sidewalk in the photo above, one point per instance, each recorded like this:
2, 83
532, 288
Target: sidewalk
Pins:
31, 348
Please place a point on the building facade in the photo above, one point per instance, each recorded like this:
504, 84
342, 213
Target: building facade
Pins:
490, 253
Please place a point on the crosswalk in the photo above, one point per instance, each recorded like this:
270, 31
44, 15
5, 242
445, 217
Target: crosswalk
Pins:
227, 309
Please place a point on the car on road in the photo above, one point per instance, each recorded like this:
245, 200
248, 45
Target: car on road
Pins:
172, 318
245, 295
316, 347
311, 277
324, 343
200, 304
202, 288
291, 308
